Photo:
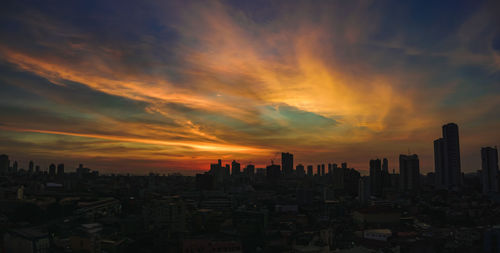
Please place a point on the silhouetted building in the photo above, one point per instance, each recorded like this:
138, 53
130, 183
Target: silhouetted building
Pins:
300, 170
322, 170
409, 172
376, 177
273, 171
330, 171
364, 190
287, 163
52, 170
344, 166
338, 177
31, 167
310, 170
60, 169
14, 167
386, 181
447, 158
235, 168
37, 168
4, 164
489, 172
249, 170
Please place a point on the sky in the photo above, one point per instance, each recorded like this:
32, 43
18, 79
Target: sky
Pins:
172, 86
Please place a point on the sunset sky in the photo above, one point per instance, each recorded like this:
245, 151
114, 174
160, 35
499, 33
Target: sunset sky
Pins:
172, 86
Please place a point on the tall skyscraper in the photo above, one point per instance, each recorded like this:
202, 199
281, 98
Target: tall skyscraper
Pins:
14, 166
330, 171
385, 165
60, 169
4, 164
322, 170
376, 177
344, 166
364, 190
310, 170
31, 167
386, 181
235, 168
287, 163
52, 169
489, 173
250, 170
409, 172
318, 170
447, 158
338, 177
300, 170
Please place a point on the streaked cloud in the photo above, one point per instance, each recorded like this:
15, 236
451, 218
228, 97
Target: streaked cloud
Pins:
330, 81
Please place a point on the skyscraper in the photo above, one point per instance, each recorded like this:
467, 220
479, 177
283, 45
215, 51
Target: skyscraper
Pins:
386, 181
60, 169
300, 170
376, 177
322, 170
318, 170
235, 168
489, 173
287, 163
273, 171
52, 169
31, 167
447, 158
409, 172
4, 164
310, 170
250, 170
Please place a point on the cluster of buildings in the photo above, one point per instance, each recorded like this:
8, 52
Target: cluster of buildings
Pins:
279, 208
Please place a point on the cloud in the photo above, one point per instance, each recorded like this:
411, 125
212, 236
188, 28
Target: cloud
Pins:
248, 79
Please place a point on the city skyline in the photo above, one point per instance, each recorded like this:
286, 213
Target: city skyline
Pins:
176, 86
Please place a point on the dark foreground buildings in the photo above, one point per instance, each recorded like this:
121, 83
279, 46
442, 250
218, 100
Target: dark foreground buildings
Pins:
272, 209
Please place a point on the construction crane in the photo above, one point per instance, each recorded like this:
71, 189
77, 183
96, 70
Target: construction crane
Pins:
274, 157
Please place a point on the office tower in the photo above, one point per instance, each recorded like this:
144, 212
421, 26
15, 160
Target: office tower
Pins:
447, 158
318, 170
338, 177
344, 166
235, 168
52, 169
322, 170
4, 164
14, 166
31, 167
364, 190
37, 168
60, 169
386, 181
287, 163
273, 171
376, 177
227, 171
309, 170
300, 170
385, 165
330, 171
409, 173
250, 170
489, 173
